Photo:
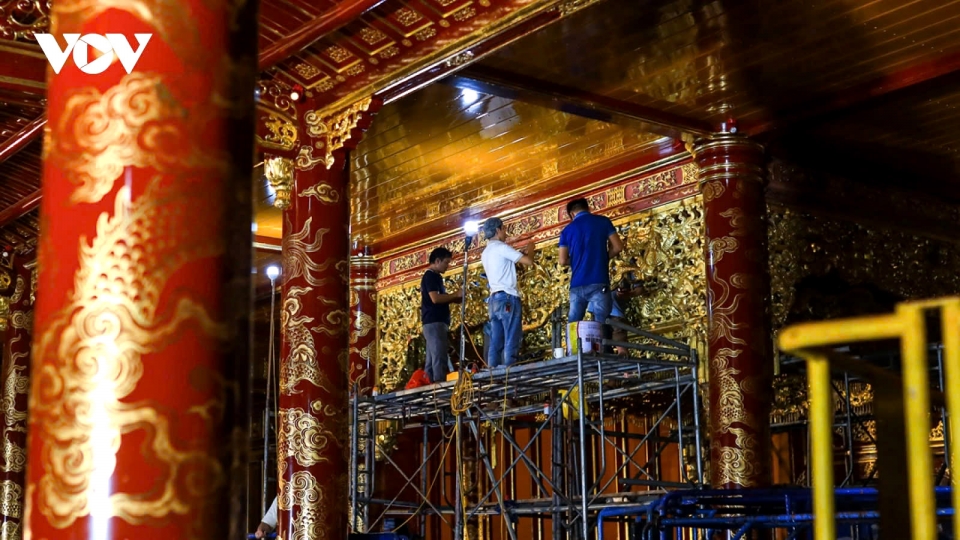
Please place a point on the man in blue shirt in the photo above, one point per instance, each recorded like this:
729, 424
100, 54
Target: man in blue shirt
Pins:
586, 245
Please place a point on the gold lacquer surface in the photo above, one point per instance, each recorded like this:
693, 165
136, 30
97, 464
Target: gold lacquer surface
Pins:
439, 152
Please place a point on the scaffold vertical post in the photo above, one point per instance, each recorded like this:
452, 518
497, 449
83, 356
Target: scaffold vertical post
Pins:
370, 472
682, 463
458, 478
581, 413
696, 413
556, 458
849, 417
424, 456
601, 429
945, 410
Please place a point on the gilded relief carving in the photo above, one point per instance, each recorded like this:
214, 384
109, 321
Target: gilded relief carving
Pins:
279, 173
281, 131
89, 360
664, 245
335, 131
20, 19
812, 255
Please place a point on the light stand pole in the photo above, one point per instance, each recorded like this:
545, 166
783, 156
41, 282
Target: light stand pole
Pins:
470, 229
272, 272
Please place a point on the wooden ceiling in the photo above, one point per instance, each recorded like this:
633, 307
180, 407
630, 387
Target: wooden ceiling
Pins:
566, 90
751, 60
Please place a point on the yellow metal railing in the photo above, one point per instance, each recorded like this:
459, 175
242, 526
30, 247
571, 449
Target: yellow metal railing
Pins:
811, 341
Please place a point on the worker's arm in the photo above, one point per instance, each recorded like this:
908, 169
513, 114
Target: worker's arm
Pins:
520, 256
564, 256
615, 246
449, 298
269, 521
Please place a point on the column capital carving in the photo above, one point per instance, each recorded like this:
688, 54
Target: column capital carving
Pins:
279, 172
328, 132
723, 156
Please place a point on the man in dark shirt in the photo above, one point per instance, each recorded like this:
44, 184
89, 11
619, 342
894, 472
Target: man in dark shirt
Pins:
435, 313
587, 244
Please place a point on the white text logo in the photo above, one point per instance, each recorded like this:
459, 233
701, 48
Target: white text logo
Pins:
108, 45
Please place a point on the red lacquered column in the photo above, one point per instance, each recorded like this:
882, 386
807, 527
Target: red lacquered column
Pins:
14, 387
312, 429
363, 322
741, 367
140, 353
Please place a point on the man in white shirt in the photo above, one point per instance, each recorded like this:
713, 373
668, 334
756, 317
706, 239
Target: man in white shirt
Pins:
499, 263
269, 521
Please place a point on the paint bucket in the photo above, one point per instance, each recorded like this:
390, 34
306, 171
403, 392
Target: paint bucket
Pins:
589, 333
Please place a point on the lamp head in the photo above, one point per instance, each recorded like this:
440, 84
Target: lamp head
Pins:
273, 272
471, 228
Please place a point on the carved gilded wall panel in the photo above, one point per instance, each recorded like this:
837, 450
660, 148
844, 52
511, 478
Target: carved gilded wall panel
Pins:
665, 244
826, 268
823, 268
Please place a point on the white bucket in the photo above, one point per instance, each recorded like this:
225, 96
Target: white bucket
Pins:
590, 333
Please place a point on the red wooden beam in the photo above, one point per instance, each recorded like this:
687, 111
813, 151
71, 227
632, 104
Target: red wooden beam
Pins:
23, 68
19, 208
477, 52
18, 140
344, 13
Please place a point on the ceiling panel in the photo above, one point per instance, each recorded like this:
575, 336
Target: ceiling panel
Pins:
751, 60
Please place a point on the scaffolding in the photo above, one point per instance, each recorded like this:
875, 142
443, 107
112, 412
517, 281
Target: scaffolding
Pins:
560, 404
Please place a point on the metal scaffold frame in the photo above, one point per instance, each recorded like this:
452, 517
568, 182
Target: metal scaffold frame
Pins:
541, 397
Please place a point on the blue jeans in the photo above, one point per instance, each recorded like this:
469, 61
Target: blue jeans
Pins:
506, 329
597, 297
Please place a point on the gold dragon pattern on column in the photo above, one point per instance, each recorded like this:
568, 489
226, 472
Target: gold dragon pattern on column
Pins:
139, 362
15, 389
314, 372
740, 361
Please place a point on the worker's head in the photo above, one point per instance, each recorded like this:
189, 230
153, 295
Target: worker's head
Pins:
493, 228
440, 259
576, 206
